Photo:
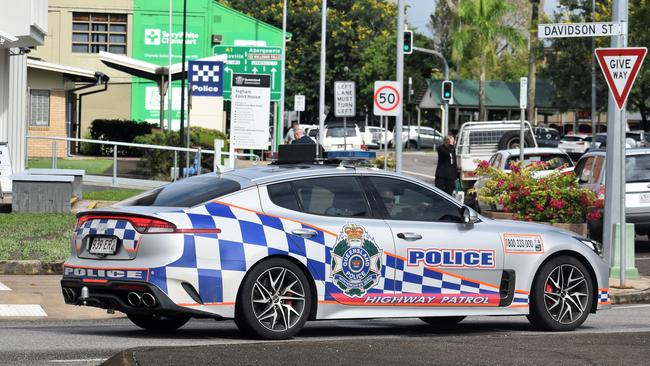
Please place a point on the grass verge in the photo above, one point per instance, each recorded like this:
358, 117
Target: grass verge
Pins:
91, 166
43, 236
111, 194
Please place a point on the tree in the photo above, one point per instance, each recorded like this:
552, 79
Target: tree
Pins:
639, 17
442, 24
483, 31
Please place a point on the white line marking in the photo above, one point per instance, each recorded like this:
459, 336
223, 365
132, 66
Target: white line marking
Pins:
79, 360
3, 287
419, 174
631, 306
642, 258
21, 310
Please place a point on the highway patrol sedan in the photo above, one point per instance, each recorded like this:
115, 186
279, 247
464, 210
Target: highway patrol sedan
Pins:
276, 246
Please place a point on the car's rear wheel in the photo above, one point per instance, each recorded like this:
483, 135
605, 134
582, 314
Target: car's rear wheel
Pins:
158, 323
274, 301
562, 295
442, 321
411, 144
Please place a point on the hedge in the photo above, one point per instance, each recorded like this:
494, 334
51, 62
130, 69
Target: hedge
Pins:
114, 130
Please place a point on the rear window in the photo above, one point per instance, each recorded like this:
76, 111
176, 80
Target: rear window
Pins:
186, 193
555, 160
341, 132
572, 138
637, 168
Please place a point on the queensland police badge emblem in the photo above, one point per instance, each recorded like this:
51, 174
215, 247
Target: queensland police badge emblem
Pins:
356, 261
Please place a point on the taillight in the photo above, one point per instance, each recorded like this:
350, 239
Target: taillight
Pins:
148, 225
364, 147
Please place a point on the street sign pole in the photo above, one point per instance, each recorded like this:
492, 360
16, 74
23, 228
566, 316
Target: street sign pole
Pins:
279, 124
386, 142
523, 101
400, 81
321, 100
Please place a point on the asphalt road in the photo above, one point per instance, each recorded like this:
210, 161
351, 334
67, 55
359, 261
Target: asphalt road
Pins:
476, 340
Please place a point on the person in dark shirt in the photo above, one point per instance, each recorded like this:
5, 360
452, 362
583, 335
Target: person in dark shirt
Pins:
301, 138
447, 170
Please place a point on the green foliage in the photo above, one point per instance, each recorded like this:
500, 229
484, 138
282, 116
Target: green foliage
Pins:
379, 162
115, 130
91, 166
44, 236
111, 194
554, 198
158, 163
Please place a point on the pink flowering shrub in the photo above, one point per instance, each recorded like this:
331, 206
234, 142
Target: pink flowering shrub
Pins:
556, 197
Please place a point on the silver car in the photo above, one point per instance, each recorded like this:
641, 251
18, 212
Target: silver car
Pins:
276, 246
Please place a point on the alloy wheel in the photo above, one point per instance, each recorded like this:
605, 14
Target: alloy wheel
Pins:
278, 299
566, 293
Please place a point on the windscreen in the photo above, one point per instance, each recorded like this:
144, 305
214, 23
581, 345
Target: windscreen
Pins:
341, 132
186, 192
637, 168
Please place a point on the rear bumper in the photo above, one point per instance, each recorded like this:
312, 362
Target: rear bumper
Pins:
112, 295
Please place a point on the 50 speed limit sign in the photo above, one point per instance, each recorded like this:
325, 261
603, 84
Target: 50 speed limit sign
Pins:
387, 99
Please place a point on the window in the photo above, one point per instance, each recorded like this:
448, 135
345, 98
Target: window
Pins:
555, 160
341, 132
637, 168
583, 169
39, 108
94, 32
185, 193
335, 196
410, 202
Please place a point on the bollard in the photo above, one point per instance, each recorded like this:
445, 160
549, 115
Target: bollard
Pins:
175, 174
631, 272
54, 157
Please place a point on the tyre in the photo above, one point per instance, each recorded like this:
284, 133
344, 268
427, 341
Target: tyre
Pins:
411, 144
442, 321
158, 323
274, 300
562, 295
510, 140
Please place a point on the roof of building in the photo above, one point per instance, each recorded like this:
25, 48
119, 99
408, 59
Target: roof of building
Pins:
498, 94
75, 73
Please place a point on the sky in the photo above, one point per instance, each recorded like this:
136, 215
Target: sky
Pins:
419, 11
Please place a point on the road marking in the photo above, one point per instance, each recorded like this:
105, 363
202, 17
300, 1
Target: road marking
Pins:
642, 258
419, 174
631, 306
79, 360
3, 287
21, 310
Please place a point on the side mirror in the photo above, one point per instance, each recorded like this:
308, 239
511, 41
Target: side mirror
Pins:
469, 216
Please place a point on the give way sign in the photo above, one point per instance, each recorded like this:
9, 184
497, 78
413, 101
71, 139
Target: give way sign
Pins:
620, 67
387, 99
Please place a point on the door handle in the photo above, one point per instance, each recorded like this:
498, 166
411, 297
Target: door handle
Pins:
304, 233
409, 236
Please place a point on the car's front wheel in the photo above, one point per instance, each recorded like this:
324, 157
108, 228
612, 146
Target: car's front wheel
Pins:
274, 301
158, 323
562, 295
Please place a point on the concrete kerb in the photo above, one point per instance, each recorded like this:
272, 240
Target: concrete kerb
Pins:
638, 293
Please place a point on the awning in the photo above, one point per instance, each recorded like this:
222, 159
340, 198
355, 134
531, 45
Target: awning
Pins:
147, 70
73, 73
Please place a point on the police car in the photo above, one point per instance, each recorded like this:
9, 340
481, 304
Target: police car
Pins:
275, 246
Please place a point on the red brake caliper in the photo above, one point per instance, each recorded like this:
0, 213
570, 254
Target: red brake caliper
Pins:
549, 288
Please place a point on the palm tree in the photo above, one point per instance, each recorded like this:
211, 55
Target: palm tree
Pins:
482, 30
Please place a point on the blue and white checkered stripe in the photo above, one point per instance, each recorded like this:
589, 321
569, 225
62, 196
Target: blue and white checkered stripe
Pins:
247, 236
120, 228
603, 296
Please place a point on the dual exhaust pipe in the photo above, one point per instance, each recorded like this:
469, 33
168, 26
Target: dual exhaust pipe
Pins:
136, 300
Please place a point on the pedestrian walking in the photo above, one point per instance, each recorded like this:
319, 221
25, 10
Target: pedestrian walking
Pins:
447, 170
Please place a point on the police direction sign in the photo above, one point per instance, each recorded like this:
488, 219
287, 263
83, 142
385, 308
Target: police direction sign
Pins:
562, 30
387, 98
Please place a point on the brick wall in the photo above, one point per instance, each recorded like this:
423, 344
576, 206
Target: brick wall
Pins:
57, 127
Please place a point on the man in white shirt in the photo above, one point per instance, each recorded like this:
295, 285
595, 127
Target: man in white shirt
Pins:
291, 134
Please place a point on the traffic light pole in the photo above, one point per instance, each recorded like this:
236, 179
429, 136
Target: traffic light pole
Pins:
445, 122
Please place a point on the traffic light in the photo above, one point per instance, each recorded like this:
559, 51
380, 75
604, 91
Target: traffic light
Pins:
408, 42
447, 90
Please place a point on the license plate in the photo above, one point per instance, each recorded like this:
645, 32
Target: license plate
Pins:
103, 245
644, 198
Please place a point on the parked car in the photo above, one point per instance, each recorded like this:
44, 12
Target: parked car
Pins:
480, 140
600, 140
638, 137
503, 158
276, 246
546, 136
377, 136
590, 170
423, 137
574, 145
338, 137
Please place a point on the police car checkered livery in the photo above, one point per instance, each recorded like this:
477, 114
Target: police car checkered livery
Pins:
276, 246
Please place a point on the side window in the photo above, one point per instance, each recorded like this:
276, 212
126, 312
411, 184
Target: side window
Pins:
282, 195
583, 170
335, 196
598, 168
410, 202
